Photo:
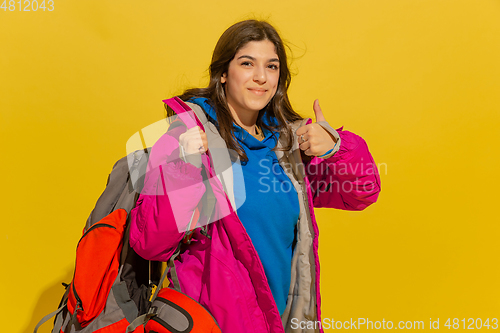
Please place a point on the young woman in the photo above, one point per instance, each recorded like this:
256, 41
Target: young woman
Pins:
255, 267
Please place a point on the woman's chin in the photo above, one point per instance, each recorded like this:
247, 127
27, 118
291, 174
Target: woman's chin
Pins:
258, 105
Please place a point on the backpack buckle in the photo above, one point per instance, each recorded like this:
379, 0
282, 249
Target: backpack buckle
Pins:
153, 311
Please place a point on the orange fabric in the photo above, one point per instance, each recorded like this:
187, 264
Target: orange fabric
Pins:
97, 262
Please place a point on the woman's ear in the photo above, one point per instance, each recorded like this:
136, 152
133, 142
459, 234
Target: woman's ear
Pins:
223, 78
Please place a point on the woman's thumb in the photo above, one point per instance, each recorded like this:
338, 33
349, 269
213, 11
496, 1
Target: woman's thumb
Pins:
318, 112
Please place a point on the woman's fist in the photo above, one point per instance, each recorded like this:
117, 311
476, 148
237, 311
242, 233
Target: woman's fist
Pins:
194, 141
192, 144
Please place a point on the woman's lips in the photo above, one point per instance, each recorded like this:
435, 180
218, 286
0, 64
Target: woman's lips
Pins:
257, 91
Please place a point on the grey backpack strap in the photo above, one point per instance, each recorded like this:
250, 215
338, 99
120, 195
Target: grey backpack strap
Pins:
175, 279
136, 323
47, 317
124, 182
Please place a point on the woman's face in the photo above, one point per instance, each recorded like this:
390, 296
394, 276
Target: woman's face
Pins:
252, 77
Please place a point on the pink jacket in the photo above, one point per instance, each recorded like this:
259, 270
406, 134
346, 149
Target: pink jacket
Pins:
224, 272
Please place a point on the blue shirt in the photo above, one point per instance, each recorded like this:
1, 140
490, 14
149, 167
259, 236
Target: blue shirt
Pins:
270, 210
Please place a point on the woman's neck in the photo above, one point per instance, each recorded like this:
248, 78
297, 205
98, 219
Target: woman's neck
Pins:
245, 120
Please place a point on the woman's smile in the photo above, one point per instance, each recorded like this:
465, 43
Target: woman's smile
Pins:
258, 91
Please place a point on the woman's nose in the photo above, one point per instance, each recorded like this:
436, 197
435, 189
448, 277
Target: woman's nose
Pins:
260, 75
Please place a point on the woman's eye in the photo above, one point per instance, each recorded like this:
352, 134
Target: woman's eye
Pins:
246, 63
275, 67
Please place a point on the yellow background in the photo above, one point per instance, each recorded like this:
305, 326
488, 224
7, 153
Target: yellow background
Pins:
418, 79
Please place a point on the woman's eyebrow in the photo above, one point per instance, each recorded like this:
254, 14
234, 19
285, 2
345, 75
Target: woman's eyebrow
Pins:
253, 59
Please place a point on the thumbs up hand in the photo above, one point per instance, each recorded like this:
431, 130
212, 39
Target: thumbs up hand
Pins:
313, 139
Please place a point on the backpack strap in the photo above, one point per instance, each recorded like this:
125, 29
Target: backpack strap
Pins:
47, 317
170, 264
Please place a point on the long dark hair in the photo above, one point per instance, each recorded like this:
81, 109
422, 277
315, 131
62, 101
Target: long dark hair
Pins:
234, 38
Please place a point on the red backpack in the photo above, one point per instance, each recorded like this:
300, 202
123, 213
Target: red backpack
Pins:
97, 263
98, 298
